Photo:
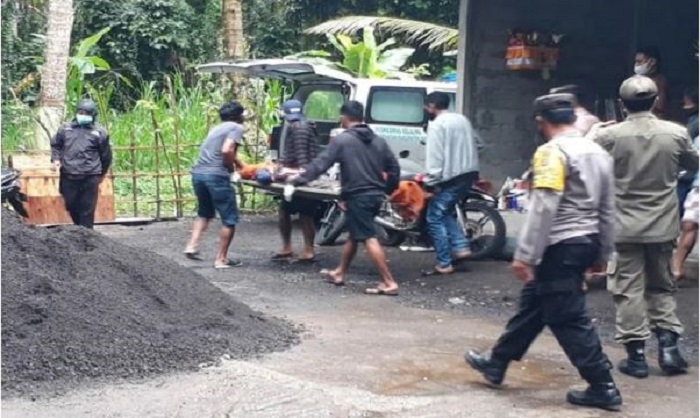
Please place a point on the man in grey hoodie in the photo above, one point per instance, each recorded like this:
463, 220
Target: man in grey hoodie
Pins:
368, 171
452, 162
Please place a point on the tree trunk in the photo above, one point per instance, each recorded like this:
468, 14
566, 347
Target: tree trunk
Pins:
232, 26
52, 98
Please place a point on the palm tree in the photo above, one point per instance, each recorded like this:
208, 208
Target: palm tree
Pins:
232, 24
52, 98
411, 32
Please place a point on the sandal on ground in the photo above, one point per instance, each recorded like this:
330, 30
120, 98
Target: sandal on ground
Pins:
330, 279
305, 260
378, 291
192, 254
229, 264
438, 271
282, 256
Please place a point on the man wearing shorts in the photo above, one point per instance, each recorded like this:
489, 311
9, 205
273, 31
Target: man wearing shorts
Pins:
300, 148
211, 181
368, 171
689, 226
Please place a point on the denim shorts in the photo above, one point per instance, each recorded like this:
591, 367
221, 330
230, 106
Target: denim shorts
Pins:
215, 194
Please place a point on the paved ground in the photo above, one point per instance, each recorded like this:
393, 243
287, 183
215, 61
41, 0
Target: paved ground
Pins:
365, 356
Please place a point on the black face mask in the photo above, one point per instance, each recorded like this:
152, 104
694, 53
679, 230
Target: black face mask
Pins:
691, 111
431, 116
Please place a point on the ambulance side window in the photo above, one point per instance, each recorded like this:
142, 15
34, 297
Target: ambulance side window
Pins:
396, 105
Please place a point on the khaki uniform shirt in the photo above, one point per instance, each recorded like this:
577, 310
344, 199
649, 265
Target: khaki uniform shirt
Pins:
648, 154
572, 196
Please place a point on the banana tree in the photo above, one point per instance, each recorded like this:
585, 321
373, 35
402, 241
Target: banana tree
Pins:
81, 64
363, 59
411, 32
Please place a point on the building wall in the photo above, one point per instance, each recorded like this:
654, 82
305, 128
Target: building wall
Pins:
596, 54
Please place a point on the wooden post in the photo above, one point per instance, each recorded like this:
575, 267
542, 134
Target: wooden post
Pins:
178, 175
156, 133
132, 144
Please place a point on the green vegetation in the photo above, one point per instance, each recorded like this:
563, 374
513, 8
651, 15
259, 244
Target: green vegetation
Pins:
365, 58
136, 59
159, 138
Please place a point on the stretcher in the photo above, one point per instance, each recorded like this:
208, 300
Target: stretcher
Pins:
302, 191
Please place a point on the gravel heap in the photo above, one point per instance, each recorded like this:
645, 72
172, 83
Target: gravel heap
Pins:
77, 305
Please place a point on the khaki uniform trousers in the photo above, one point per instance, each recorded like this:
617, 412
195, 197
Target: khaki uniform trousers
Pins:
643, 290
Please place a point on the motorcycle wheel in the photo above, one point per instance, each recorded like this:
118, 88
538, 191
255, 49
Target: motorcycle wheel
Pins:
484, 244
332, 225
389, 237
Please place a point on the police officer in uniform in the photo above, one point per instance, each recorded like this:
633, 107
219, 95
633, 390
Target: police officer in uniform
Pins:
648, 154
82, 153
569, 230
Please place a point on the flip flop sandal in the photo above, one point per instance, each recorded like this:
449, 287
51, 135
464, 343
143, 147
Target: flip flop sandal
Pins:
282, 257
330, 279
192, 255
436, 272
305, 260
381, 292
228, 265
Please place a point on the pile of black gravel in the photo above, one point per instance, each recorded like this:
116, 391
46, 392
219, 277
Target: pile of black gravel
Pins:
77, 305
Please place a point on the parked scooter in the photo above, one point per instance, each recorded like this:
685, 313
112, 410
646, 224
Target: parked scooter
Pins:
477, 214
11, 192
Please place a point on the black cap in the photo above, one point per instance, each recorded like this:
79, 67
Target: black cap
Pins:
554, 102
87, 105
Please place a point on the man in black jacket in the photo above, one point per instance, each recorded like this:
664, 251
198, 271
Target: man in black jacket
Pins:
300, 148
82, 153
368, 171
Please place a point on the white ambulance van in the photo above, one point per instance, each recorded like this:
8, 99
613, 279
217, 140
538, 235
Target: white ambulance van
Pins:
393, 108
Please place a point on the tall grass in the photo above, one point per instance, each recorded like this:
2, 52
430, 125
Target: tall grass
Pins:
158, 139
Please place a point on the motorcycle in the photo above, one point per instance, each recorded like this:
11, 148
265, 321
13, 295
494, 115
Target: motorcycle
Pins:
477, 214
11, 191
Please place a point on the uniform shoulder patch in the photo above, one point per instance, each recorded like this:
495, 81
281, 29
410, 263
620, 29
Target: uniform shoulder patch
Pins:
549, 169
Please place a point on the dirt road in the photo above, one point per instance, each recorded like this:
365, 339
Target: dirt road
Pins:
365, 356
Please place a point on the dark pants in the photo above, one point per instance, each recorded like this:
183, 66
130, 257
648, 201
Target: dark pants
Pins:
556, 299
80, 195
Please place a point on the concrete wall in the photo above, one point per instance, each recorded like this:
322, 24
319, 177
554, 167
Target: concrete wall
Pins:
596, 54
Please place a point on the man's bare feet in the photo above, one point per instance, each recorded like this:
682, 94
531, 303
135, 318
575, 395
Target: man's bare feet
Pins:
383, 290
333, 276
307, 255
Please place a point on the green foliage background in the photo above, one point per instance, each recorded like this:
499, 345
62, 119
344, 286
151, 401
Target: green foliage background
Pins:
144, 79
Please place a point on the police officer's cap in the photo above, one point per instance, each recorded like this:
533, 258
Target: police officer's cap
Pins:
87, 105
558, 101
638, 88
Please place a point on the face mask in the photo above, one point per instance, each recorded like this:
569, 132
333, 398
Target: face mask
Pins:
642, 69
431, 116
83, 119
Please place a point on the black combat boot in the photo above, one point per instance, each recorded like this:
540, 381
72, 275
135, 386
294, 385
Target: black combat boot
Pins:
601, 392
670, 359
494, 370
635, 364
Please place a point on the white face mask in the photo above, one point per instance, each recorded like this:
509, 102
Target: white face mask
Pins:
642, 69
